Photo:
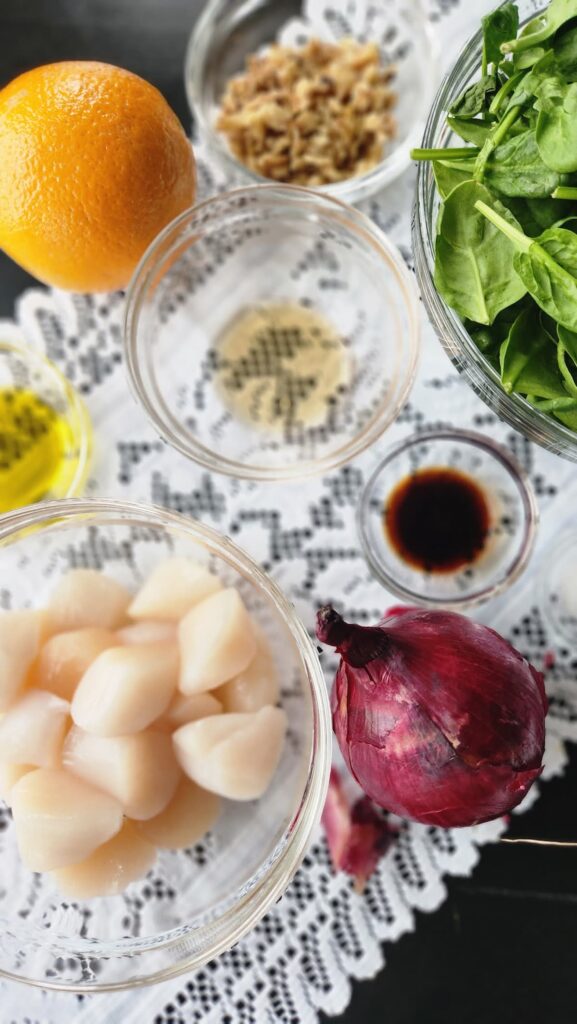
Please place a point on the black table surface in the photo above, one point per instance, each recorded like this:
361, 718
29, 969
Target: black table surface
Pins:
503, 946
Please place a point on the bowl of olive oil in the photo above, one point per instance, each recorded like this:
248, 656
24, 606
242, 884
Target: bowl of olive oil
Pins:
45, 431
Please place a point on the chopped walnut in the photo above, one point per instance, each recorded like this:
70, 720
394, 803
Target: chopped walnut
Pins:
311, 116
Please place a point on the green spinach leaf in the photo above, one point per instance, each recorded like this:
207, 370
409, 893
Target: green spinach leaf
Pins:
516, 168
541, 28
556, 132
470, 130
448, 176
475, 98
473, 258
565, 50
498, 27
547, 265
528, 360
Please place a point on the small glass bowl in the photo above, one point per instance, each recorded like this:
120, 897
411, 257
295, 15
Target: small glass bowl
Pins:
544, 430
270, 244
513, 518
558, 584
194, 903
228, 31
26, 372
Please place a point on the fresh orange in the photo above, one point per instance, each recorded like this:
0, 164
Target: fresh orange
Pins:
93, 163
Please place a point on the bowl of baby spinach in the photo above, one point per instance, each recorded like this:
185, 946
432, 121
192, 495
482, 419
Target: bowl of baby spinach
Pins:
495, 222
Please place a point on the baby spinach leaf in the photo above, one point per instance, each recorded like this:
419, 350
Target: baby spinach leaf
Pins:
473, 258
517, 168
448, 176
547, 265
528, 360
565, 50
470, 130
498, 27
525, 59
557, 123
527, 85
475, 97
535, 215
541, 28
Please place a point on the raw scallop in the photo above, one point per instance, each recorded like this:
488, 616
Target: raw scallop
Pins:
184, 709
125, 689
86, 597
10, 775
172, 589
59, 820
234, 755
189, 815
32, 730
254, 688
66, 656
20, 638
110, 869
217, 642
147, 633
140, 770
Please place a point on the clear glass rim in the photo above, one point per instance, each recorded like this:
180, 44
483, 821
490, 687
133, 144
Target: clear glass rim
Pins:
352, 189
530, 519
80, 419
301, 201
458, 344
271, 881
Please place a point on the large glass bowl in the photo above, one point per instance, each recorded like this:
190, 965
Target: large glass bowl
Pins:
255, 249
458, 344
194, 903
228, 31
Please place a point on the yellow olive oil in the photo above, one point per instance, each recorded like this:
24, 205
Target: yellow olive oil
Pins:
281, 365
38, 450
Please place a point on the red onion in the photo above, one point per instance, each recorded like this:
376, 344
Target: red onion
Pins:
439, 718
357, 836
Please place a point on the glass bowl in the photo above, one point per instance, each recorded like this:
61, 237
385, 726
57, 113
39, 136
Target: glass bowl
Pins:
513, 518
45, 432
228, 31
194, 903
457, 342
265, 248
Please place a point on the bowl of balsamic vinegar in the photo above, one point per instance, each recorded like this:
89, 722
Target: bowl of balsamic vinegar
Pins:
447, 519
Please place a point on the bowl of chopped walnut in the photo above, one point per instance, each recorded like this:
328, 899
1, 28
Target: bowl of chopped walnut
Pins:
325, 94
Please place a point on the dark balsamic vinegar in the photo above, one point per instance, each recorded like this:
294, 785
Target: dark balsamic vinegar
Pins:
437, 520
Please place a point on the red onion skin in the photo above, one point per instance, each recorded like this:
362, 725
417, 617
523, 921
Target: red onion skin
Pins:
439, 718
358, 836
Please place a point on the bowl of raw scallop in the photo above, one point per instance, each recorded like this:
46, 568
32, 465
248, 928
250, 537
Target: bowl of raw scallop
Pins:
164, 744
516, 360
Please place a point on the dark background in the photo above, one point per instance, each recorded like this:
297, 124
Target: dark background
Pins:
503, 947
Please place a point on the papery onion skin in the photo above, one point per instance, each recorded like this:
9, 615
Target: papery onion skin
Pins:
439, 718
358, 836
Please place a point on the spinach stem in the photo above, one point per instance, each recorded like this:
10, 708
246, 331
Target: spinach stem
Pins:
504, 91
565, 371
493, 139
457, 153
517, 237
552, 404
564, 192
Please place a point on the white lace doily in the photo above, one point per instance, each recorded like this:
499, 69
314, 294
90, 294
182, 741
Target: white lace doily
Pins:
303, 956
